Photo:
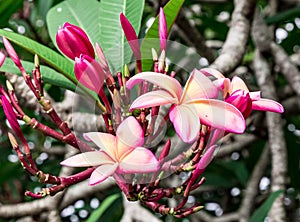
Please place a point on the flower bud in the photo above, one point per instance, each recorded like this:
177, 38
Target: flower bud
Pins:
242, 101
2, 58
130, 36
12, 118
162, 30
89, 72
12, 53
73, 41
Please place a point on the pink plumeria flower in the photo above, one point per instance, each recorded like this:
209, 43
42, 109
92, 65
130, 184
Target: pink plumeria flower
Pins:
196, 100
121, 154
162, 30
237, 93
73, 41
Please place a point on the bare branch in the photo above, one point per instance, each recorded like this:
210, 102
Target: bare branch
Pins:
276, 136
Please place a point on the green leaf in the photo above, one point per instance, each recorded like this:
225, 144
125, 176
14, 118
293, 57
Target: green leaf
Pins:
84, 14
49, 56
283, 16
105, 205
7, 8
49, 75
151, 39
113, 40
261, 213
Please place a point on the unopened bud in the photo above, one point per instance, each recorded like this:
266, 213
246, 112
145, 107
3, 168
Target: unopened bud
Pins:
126, 71
36, 61
9, 86
12, 140
73, 41
154, 55
117, 99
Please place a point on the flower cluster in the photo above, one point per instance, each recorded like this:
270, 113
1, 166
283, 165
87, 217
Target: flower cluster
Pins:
207, 105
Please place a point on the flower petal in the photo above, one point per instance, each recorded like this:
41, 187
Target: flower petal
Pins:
129, 135
255, 95
104, 141
151, 99
220, 115
267, 105
140, 160
93, 158
224, 85
198, 86
237, 83
186, 122
102, 172
165, 82
212, 72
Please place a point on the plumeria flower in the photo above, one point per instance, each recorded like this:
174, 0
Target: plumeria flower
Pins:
237, 93
196, 100
119, 154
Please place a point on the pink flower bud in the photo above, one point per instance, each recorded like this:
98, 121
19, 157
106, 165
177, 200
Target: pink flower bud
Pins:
242, 101
130, 36
12, 53
12, 118
2, 58
162, 30
102, 59
73, 41
89, 72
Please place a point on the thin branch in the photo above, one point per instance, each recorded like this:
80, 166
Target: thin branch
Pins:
252, 186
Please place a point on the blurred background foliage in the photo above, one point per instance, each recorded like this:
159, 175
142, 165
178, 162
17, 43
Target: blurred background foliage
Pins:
226, 177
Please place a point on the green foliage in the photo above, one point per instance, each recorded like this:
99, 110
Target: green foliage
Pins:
108, 210
7, 8
261, 213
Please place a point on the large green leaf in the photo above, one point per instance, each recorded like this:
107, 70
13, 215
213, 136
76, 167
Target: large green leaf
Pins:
49, 56
49, 75
151, 39
84, 14
105, 205
112, 39
261, 213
